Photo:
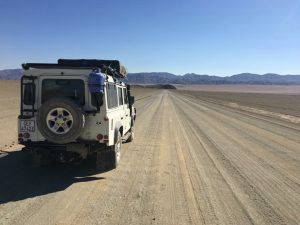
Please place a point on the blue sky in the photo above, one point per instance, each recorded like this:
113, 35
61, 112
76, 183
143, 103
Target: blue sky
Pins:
220, 37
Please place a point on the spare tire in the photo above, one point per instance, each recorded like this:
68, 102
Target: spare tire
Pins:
60, 120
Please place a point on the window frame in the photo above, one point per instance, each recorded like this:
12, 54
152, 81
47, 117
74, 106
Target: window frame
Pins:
125, 96
82, 81
120, 91
107, 94
51, 76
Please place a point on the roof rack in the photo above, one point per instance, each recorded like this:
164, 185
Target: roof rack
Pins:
110, 67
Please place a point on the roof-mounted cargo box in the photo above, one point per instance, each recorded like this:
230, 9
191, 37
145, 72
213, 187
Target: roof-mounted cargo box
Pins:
110, 67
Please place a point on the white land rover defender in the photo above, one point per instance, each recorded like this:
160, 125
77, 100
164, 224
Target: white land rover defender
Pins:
60, 119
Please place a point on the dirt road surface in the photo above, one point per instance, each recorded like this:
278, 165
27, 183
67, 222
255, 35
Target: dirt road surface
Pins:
192, 162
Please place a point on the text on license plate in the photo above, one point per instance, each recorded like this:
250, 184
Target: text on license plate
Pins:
27, 126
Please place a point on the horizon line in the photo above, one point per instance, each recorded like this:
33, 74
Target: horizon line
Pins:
199, 74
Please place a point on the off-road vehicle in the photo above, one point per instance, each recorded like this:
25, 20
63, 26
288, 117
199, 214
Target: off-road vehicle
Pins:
59, 119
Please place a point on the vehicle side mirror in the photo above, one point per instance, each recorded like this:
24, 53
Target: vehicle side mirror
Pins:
131, 100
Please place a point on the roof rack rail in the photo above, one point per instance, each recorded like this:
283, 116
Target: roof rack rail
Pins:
110, 67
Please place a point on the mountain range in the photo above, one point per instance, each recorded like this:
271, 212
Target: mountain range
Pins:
189, 78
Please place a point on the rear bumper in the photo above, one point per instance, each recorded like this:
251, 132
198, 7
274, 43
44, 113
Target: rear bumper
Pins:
43, 145
81, 148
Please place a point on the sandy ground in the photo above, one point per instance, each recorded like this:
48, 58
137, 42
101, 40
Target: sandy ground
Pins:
271, 89
278, 103
192, 162
9, 111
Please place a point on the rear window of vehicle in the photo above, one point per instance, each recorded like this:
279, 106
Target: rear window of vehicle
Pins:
111, 95
53, 88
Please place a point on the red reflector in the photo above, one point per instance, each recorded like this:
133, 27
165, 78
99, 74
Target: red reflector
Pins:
99, 137
105, 136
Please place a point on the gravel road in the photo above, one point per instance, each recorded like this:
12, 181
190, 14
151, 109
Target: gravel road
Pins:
192, 162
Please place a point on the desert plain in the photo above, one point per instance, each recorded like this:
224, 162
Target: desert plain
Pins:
200, 156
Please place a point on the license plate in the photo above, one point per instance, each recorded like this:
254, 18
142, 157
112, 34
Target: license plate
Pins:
27, 126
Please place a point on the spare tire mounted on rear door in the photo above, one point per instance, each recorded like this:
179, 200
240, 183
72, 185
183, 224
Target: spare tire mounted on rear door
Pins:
60, 120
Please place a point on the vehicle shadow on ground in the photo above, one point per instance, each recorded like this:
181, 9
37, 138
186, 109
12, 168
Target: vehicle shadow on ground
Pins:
19, 180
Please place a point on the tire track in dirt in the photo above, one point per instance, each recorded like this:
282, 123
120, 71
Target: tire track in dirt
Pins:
227, 165
267, 209
258, 142
170, 194
214, 211
195, 213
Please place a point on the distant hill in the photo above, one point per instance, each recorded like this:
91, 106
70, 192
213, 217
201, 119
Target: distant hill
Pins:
268, 78
10, 74
189, 78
